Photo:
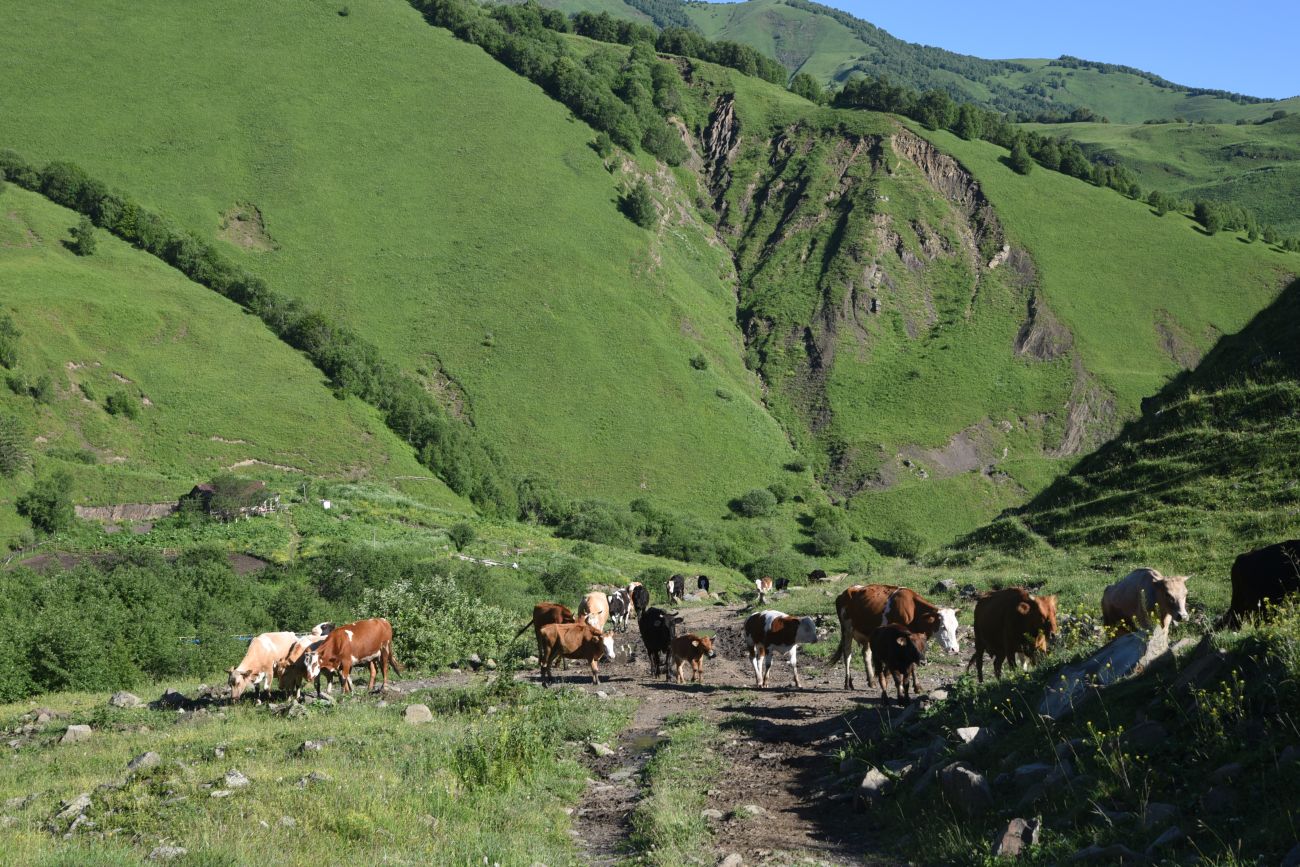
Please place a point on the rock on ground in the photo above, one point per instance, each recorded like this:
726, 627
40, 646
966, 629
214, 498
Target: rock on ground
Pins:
1017, 838
144, 761
234, 779
965, 788
167, 853
76, 733
599, 750
418, 713
124, 699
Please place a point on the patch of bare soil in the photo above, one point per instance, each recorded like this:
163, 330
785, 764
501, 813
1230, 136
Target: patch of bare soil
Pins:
243, 226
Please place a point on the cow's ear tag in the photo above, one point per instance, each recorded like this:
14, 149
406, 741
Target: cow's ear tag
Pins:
695, 644
901, 641
1023, 607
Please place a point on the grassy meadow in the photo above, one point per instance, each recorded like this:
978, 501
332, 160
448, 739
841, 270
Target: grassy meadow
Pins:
444, 207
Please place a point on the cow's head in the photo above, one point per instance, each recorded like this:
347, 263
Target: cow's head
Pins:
948, 630
807, 632
1038, 619
240, 681
607, 641
311, 664
914, 645
1171, 595
706, 644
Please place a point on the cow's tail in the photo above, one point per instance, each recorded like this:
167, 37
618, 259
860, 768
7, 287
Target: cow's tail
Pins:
392, 659
846, 639
522, 630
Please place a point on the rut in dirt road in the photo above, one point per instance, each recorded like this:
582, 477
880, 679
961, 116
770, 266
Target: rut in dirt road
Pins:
779, 751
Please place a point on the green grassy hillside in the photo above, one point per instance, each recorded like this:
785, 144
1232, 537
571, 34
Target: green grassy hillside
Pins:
1256, 166
415, 189
213, 388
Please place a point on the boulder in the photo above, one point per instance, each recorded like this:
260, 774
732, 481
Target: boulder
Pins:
1123, 657
1144, 737
234, 779
711, 815
1226, 773
732, 860
599, 750
313, 777
971, 734
124, 699
1292, 858
1158, 813
144, 761
71, 809
75, 734
1028, 775
167, 853
1170, 837
947, 585
1220, 799
748, 811
416, 714
874, 786
313, 746
965, 789
1017, 838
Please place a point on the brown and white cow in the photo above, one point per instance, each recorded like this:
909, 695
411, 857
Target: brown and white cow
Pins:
691, 648
258, 664
296, 669
763, 586
897, 651
1127, 604
864, 608
1012, 621
594, 608
676, 588
578, 640
367, 641
768, 632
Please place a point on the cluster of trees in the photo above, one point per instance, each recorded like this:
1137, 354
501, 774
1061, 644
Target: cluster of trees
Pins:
1065, 61
353, 365
664, 13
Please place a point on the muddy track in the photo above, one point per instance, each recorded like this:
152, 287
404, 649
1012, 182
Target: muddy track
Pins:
779, 749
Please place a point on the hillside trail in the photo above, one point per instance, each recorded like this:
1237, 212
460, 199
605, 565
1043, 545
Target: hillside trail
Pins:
778, 750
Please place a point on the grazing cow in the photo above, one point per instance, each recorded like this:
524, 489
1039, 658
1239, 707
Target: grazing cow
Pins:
594, 608
258, 664
817, 575
781, 584
1127, 604
297, 668
574, 641
702, 583
767, 632
640, 598
676, 588
763, 586
367, 641
1012, 621
620, 606
864, 608
691, 648
658, 629
898, 651
1264, 575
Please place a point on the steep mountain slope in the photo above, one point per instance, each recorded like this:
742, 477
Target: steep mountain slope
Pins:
1208, 471
1255, 166
832, 46
212, 388
413, 188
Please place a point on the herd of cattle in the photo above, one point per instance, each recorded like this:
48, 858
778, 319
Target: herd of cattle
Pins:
891, 624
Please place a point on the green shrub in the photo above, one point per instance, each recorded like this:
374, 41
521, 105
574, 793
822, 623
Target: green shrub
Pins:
830, 538
604, 145
699, 362
461, 535
563, 578
758, 503
435, 623
122, 402
83, 237
9, 335
905, 543
797, 465
782, 490
598, 521
48, 505
779, 564
583, 550
13, 446
639, 205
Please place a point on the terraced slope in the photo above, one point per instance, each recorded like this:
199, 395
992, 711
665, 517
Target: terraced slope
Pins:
212, 387
413, 188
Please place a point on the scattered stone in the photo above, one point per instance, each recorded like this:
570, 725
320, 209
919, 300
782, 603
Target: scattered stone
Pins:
416, 714
219, 751
965, 788
624, 774
711, 815
124, 699
900, 767
79, 822
599, 750
947, 585
874, 787
490, 665
1158, 813
313, 777
1032, 796
475, 661
73, 808
1125, 656
313, 746
971, 734
938, 694
732, 860
531, 661
1170, 837
750, 811
75, 734
1113, 853
1019, 836
1062, 773
601, 694
1028, 775
1292, 858
1219, 799
1205, 664
768, 757
1069, 748
42, 715
167, 853
288, 822
220, 793
20, 803
1226, 773
144, 761
1145, 737
234, 779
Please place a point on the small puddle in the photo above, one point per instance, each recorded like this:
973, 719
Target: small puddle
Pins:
644, 743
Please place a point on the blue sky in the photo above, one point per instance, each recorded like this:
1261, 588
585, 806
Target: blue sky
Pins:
1245, 47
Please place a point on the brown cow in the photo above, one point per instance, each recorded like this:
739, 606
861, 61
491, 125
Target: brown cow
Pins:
763, 586
544, 613
1012, 621
898, 651
1127, 604
864, 608
768, 631
367, 641
574, 641
258, 664
594, 609
1261, 578
691, 648
294, 670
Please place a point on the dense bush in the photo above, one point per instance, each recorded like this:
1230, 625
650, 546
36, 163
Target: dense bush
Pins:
758, 503
83, 237
779, 564
598, 521
436, 623
563, 578
639, 205
461, 534
830, 532
9, 335
48, 505
122, 403
13, 446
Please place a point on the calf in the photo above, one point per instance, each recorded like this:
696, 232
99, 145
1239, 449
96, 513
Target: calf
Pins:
898, 651
767, 632
862, 609
620, 606
640, 598
1127, 604
691, 648
702, 583
258, 664
544, 613
367, 641
763, 586
1012, 621
782, 584
594, 608
574, 641
658, 628
676, 588
297, 668
1266, 575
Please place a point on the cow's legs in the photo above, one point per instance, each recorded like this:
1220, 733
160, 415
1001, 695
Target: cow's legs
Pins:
677, 669
756, 660
595, 673
997, 665
978, 659
794, 666
867, 661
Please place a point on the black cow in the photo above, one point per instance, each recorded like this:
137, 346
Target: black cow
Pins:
817, 575
782, 584
658, 629
897, 651
640, 598
1268, 574
702, 583
676, 588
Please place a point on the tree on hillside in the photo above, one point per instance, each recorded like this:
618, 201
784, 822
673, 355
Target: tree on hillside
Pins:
639, 205
1020, 160
9, 335
83, 237
13, 446
1208, 215
48, 505
806, 86
970, 124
